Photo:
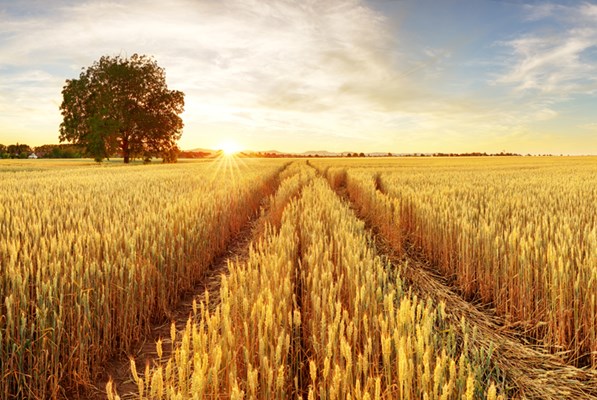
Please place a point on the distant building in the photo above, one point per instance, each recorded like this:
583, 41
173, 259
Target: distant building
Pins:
33, 156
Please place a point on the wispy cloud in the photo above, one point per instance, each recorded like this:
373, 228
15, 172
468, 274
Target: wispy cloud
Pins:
591, 126
558, 62
265, 64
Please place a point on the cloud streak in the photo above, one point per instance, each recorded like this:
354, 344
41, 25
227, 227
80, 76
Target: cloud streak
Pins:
559, 62
268, 61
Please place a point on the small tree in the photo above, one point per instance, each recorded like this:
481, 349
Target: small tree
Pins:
121, 104
59, 151
170, 155
18, 150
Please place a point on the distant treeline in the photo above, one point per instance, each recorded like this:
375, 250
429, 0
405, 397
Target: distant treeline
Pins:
290, 155
60, 151
476, 154
66, 151
15, 151
45, 151
192, 154
76, 151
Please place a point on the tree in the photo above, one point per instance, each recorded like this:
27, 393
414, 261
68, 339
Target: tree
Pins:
60, 151
18, 150
171, 155
122, 105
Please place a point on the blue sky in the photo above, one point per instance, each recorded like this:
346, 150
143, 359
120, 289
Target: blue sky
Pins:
377, 75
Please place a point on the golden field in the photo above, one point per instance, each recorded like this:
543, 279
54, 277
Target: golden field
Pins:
519, 234
92, 256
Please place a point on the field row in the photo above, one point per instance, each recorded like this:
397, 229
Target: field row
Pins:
314, 312
521, 237
90, 256
531, 370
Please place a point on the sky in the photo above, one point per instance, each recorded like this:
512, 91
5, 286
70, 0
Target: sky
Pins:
340, 75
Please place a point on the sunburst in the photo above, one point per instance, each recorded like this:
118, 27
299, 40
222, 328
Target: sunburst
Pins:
228, 164
229, 148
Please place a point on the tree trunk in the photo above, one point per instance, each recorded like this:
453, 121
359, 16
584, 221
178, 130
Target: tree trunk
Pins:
126, 152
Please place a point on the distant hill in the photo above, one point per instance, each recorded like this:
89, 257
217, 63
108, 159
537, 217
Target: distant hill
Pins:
276, 153
197, 153
201, 150
210, 153
321, 153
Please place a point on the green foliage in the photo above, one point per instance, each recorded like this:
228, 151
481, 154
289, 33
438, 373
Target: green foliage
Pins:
122, 105
16, 151
170, 155
60, 151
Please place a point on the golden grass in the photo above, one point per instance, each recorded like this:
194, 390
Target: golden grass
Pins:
314, 313
90, 255
519, 234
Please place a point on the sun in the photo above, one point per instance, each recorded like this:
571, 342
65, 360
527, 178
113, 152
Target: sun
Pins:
229, 147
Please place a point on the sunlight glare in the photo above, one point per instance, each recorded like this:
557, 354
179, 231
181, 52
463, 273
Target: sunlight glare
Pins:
229, 148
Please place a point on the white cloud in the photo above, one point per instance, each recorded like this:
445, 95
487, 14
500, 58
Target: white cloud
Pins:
554, 62
539, 11
279, 64
591, 126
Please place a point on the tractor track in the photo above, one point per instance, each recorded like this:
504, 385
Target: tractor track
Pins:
533, 372
118, 369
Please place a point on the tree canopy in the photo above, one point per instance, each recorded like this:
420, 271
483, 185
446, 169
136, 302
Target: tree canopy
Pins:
122, 105
60, 151
15, 151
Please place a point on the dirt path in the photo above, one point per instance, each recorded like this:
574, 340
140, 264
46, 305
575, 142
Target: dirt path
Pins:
535, 373
532, 372
118, 369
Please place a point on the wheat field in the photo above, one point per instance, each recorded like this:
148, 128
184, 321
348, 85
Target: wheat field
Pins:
520, 235
91, 255
322, 304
